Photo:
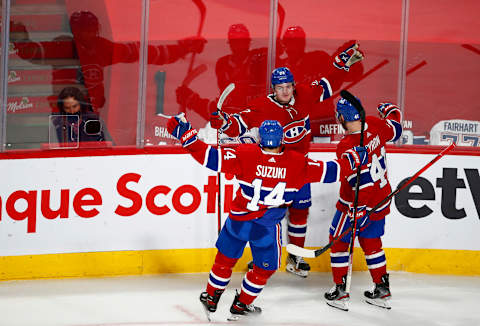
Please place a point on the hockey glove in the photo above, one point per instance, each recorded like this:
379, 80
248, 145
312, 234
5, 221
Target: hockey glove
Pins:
357, 156
349, 56
384, 109
184, 94
219, 120
181, 129
362, 217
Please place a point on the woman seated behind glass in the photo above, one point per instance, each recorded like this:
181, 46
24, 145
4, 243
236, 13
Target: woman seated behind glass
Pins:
76, 122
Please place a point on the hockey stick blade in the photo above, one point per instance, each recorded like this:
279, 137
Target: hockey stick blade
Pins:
302, 252
180, 115
307, 253
224, 95
164, 115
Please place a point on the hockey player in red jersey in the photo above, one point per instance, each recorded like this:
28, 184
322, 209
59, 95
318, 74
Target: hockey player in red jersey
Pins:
290, 104
270, 178
373, 188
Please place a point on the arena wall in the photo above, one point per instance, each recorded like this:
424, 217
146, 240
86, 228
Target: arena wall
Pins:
119, 214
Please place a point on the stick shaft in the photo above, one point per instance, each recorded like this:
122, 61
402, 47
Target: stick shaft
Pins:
224, 95
348, 281
222, 98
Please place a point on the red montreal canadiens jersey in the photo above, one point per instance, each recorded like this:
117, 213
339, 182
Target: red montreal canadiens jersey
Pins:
374, 184
294, 117
266, 180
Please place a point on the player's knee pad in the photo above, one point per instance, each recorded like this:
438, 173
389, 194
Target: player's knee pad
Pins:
298, 216
374, 257
297, 226
223, 261
259, 275
221, 273
370, 245
339, 246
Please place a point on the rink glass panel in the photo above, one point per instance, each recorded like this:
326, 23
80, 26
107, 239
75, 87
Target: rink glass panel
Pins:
236, 50
443, 69
56, 44
427, 61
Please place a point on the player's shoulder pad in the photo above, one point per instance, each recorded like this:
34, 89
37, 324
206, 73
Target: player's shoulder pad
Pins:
294, 155
374, 122
257, 102
344, 145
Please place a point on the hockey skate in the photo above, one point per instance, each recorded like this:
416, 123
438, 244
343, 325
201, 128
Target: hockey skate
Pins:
380, 294
296, 265
240, 310
337, 297
209, 303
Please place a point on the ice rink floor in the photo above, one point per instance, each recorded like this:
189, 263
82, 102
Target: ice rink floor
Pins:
172, 299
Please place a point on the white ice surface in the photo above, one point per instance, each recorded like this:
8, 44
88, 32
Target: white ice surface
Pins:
172, 299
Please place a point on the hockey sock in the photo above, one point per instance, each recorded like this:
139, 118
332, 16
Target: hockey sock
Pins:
221, 273
297, 226
339, 260
375, 256
253, 284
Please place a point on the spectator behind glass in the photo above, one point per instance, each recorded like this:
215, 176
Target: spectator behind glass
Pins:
76, 122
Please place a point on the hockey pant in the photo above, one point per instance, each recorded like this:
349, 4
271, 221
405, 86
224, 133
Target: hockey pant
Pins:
370, 242
298, 215
265, 243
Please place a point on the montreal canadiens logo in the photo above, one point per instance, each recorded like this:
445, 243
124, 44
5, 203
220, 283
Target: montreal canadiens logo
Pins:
295, 131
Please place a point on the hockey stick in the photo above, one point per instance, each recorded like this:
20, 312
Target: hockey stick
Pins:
308, 253
361, 111
471, 48
194, 74
222, 98
415, 68
181, 114
224, 95
203, 11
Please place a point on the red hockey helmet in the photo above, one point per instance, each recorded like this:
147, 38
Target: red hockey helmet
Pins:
294, 32
238, 31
